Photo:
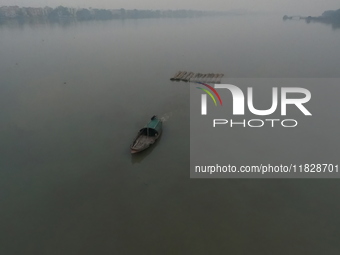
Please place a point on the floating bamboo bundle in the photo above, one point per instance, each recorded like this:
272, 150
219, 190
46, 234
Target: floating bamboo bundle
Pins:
180, 76
194, 78
175, 76
197, 77
187, 77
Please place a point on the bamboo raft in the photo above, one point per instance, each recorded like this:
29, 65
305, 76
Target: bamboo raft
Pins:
197, 77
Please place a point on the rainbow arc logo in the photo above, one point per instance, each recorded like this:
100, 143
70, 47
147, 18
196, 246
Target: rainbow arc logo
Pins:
209, 93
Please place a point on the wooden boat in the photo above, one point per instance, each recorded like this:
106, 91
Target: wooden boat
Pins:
147, 135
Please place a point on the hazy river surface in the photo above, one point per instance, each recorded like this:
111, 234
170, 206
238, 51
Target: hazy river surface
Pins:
72, 98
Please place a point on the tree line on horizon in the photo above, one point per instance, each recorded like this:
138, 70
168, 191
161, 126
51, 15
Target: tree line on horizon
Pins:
328, 17
65, 13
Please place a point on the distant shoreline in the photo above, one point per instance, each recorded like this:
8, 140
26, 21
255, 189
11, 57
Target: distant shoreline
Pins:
328, 17
62, 13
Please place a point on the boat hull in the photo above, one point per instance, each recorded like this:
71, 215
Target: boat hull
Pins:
142, 143
147, 136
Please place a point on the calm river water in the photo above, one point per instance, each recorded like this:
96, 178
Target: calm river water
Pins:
72, 98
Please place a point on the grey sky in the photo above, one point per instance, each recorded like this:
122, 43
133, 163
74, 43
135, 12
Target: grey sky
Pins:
303, 7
